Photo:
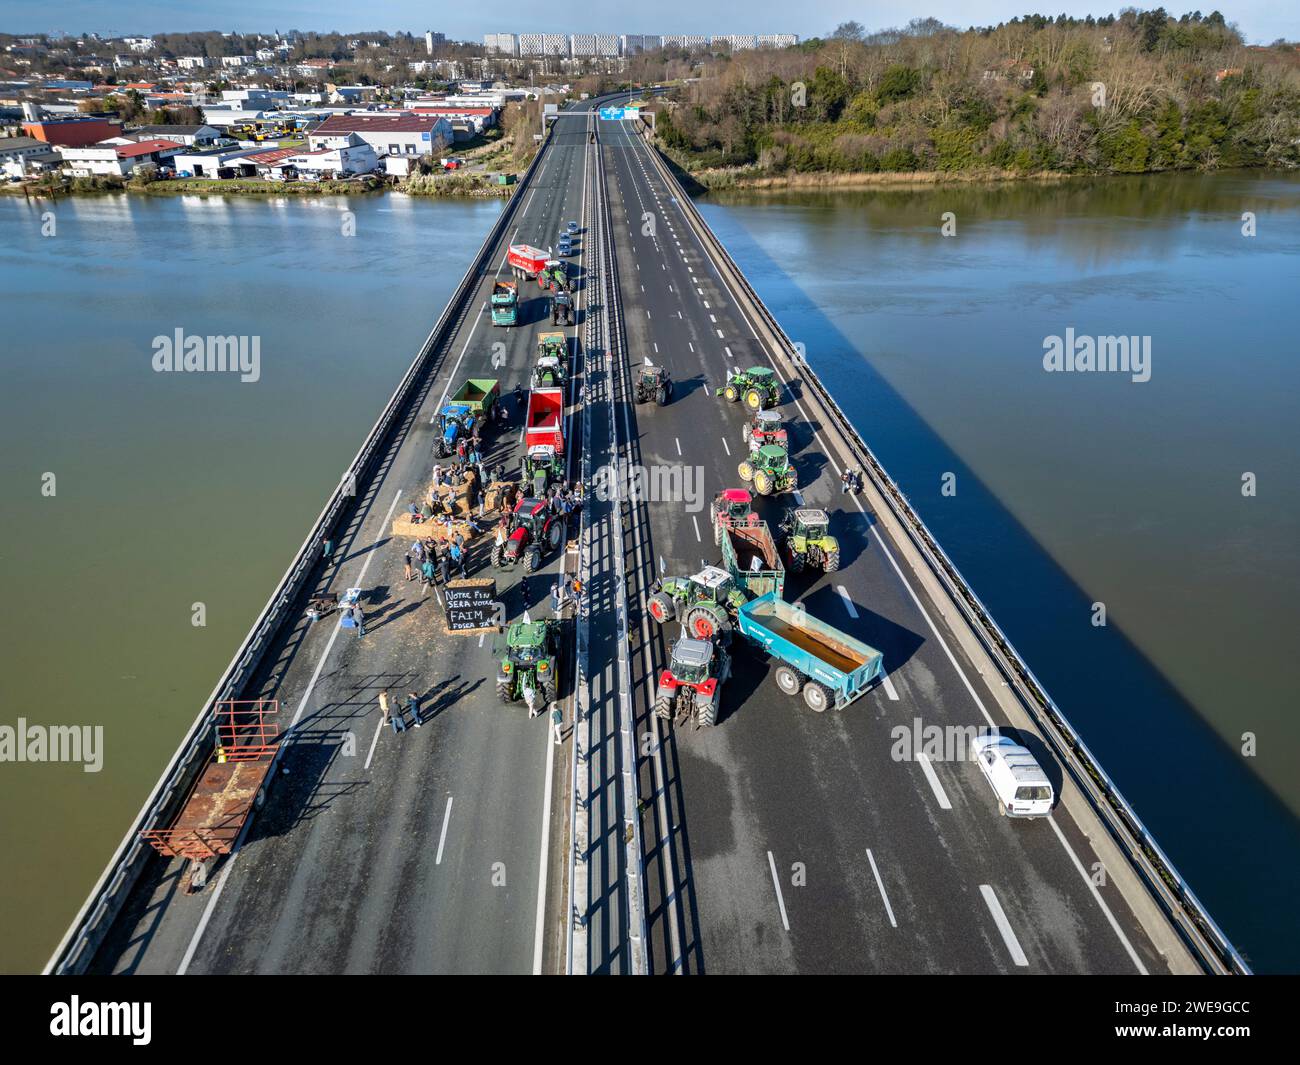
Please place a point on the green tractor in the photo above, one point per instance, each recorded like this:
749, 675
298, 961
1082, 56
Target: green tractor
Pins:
653, 384
770, 470
808, 541
758, 386
552, 357
528, 665
540, 467
704, 603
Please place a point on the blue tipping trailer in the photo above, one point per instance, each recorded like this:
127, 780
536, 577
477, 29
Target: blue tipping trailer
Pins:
828, 666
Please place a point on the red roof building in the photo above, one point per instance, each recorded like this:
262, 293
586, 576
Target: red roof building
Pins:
73, 132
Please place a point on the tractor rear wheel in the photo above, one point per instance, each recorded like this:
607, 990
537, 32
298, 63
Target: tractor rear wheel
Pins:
831, 560
533, 559
817, 696
553, 533
706, 714
745, 433
505, 692
789, 679
499, 555
662, 608
704, 621
664, 707
548, 689
746, 471
763, 482
730, 393
661, 396
797, 562
754, 399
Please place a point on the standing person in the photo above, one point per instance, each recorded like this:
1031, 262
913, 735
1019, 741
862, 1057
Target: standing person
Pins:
383, 707
557, 724
413, 704
444, 568
327, 552
359, 616
407, 560
426, 572
557, 597
457, 554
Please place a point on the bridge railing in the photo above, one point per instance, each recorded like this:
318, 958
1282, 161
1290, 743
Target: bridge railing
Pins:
1202, 934
109, 894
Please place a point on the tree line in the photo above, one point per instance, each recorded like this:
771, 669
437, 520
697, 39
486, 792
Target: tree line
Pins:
1128, 93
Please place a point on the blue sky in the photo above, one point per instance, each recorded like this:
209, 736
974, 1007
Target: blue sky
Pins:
1261, 21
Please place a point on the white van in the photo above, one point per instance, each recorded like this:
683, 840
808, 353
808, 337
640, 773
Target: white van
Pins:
1018, 781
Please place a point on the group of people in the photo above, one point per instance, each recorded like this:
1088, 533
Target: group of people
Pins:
851, 481
395, 714
433, 562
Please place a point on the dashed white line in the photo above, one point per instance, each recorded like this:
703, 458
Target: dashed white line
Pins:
776, 883
679, 446
696, 523
726, 445
442, 838
935, 786
1004, 926
881, 885
848, 603
721, 335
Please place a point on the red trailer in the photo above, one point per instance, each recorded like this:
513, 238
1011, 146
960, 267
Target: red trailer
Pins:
545, 423
526, 261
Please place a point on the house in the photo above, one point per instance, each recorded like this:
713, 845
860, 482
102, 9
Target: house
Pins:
344, 161
118, 160
273, 165
475, 119
212, 162
391, 133
19, 156
186, 135
72, 132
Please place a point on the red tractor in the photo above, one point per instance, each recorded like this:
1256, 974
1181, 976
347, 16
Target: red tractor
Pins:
765, 427
732, 506
691, 686
535, 526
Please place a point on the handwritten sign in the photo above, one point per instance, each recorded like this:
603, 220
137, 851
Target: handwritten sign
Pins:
472, 607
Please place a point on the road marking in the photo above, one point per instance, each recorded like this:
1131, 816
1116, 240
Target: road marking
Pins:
647, 313
375, 742
679, 446
889, 687
706, 307
1004, 926
729, 355
935, 786
721, 335
780, 901
690, 345
726, 445
848, 603
881, 885
539, 926
1096, 894
656, 347
699, 292
243, 832
697, 528
713, 319
442, 839
706, 388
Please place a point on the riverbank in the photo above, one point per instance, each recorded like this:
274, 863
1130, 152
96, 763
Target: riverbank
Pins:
451, 186
757, 179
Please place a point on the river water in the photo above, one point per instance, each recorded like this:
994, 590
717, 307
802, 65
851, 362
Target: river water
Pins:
173, 490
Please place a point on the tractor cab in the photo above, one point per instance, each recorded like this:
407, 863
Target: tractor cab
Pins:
772, 457
529, 517
690, 661
766, 427
653, 384
546, 372
540, 466
713, 584
526, 644
812, 523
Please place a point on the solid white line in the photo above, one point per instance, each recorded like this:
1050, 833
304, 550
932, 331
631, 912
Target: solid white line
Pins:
1110, 917
935, 786
243, 832
1004, 926
881, 885
375, 741
848, 603
889, 687
540, 920
780, 901
442, 839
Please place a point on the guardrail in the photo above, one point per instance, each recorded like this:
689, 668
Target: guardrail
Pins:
90, 926
1185, 911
